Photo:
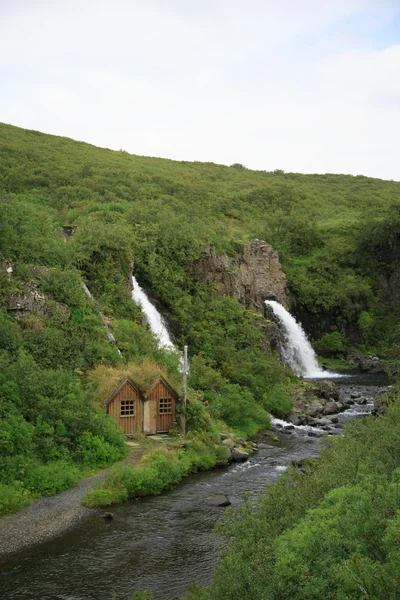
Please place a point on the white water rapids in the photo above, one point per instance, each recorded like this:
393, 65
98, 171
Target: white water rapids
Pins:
296, 350
155, 320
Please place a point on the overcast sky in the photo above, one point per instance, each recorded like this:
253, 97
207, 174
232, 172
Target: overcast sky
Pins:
309, 86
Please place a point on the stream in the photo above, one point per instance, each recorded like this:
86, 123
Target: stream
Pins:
160, 543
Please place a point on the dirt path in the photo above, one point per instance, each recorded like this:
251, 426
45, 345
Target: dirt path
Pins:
51, 516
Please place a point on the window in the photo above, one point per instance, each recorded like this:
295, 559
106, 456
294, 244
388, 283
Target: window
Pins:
127, 408
165, 406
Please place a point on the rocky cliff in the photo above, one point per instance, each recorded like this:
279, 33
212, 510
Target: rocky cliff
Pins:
252, 276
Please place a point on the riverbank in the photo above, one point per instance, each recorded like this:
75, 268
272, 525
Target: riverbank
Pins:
52, 516
147, 470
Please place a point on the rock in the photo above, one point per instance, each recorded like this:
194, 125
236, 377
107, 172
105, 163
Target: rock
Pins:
33, 300
331, 408
314, 409
371, 365
228, 442
322, 422
218, 500
223, 435
108, 516
328, 390
288, 427
240, 441
265, 447
296, 419
313, 434
239, 455
287, 432
335, 419
381, 403
253, 275
361, 401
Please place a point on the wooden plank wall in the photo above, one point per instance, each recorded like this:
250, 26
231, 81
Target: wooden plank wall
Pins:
129, 425
160, 423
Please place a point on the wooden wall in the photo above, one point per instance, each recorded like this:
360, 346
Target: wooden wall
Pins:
128, 424
154, 422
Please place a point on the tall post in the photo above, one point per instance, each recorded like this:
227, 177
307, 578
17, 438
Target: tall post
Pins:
185, 362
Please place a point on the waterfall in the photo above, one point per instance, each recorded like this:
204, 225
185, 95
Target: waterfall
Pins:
155, 320
296, 350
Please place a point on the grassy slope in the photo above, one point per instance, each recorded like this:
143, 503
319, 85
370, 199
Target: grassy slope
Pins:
160, 213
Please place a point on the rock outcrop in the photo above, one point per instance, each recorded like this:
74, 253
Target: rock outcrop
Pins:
252, 276
33, 300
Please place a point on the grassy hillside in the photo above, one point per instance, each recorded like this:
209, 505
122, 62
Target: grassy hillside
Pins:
338, 239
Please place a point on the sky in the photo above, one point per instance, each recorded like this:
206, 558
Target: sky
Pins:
301, 85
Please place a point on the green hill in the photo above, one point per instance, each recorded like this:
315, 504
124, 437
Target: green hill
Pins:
338, 240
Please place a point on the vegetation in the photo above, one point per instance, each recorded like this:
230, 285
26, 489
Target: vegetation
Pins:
159, 214
329, 532
160, 470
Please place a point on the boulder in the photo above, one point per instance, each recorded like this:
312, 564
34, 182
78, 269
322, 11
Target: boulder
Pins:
108, 516
218, 500
331, 408
228, 442
239, 455
328, 390
371, 365
297, 419
314, 409
323, 422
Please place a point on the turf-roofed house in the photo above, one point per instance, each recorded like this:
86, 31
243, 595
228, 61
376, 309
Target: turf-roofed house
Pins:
151, 412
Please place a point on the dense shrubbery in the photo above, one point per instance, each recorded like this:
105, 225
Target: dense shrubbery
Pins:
331, 532
237, 407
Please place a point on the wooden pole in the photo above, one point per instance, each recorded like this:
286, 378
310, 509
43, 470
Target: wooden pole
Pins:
185, 362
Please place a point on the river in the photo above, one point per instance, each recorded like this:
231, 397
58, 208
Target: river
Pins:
160, 543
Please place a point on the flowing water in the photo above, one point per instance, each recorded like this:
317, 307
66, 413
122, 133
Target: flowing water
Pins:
161, 543
155, 320
296, 350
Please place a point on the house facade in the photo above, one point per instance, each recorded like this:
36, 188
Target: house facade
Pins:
135, 412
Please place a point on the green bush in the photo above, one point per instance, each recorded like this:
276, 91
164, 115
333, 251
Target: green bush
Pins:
330, 343
13, 497
51, 478
277, 402
237, 407
96, 452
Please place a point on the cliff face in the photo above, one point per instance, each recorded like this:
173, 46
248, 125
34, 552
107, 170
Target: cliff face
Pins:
252, 276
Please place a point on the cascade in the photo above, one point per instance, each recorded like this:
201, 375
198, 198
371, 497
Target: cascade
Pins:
156, 321
296, 350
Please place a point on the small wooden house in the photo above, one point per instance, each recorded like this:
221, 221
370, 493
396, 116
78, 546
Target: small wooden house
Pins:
125, 405
134, 412
159, 407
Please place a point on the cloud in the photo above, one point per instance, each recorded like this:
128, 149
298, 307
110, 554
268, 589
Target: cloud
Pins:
299, 86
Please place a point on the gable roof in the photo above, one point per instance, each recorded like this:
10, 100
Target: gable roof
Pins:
125, 380
161, 379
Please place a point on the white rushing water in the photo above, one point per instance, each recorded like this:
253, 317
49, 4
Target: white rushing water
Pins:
296, 350
156, 322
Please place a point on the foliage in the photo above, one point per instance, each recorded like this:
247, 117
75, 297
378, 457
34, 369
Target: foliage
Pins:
329, 532
160, 470
238, 408
277, 402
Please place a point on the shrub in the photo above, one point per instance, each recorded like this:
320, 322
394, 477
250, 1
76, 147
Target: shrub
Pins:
237, 407
52, 478
330, 343
277, 402
13, 497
